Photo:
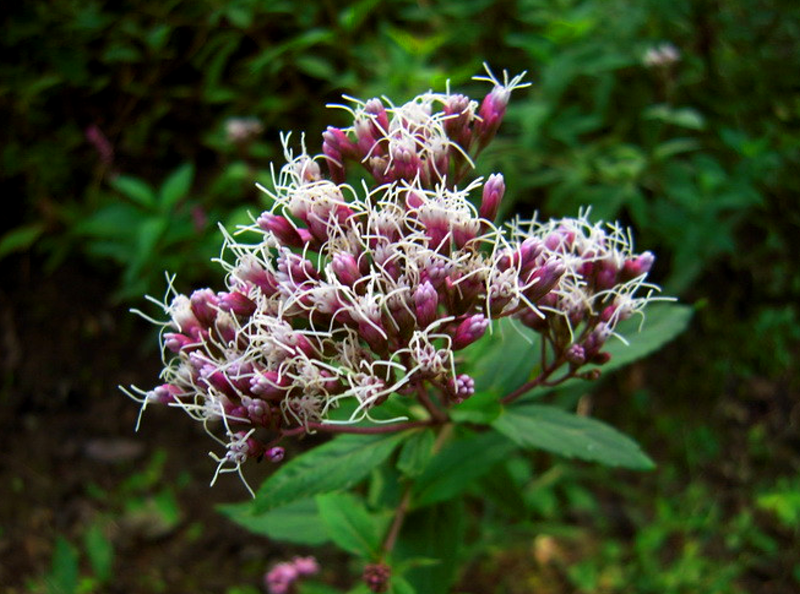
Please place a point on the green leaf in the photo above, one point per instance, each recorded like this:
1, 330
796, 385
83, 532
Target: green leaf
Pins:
684, 117
663, 322
100, 552
416, 452
434, 533
336, 465
554, 430
134, 189
20, 239
298, 522
499, 363
176, 186
462, 461
350, 525
63, 578
399, 585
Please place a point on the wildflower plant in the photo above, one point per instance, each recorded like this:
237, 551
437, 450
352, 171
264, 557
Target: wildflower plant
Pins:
376, 300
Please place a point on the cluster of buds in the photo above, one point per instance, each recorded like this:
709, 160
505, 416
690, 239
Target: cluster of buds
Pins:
282, 577
431, 139
363, 295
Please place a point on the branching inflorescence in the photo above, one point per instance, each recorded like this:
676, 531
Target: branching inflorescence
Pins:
360, 294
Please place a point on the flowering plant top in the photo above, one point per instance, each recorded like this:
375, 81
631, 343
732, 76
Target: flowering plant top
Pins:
361, 294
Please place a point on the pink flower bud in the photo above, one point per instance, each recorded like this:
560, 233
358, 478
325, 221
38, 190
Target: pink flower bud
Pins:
426, 301
164, 394
493, 191
281, 228
469, 331
275, 455
576, 355
491, 112
270, 385
204, 306
236, 303
544, 279
637, 266
177, 342
345, 267
460, 388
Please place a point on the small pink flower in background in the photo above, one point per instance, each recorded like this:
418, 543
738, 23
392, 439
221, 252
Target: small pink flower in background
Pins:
101, 144
241, 130
281, 578
664, 54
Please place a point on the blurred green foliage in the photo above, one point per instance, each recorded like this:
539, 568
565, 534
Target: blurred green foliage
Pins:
699, 154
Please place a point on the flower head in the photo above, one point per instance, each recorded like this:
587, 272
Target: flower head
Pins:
344, 294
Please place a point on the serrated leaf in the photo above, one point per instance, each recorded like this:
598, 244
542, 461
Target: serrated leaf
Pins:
336, 465
298, 522
554, 430
416, 452
350, 525
176, 186
460, 462
134, 189
663, 322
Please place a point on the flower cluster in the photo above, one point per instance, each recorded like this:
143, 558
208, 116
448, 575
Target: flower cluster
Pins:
282, 577
359, 295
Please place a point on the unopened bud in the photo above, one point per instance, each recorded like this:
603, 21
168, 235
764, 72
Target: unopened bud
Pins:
426, 301
281, 228
469, 331
493, 191
460, 388
275, 454
376, 576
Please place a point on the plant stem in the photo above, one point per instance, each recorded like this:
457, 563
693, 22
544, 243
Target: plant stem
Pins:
436, 413
405, 501
541, 380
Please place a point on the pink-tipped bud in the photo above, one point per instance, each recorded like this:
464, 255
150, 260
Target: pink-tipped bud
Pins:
605, 275
164, 394
204, 306
493, 191
270, 385
275, 455
281, 228
470, 330
380, 118
596, 339
345, 267
458, 112
236, 303
176, 342
460, 388
637, 266
529, 250
576, 355
491, 112
544, 279
426, 301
